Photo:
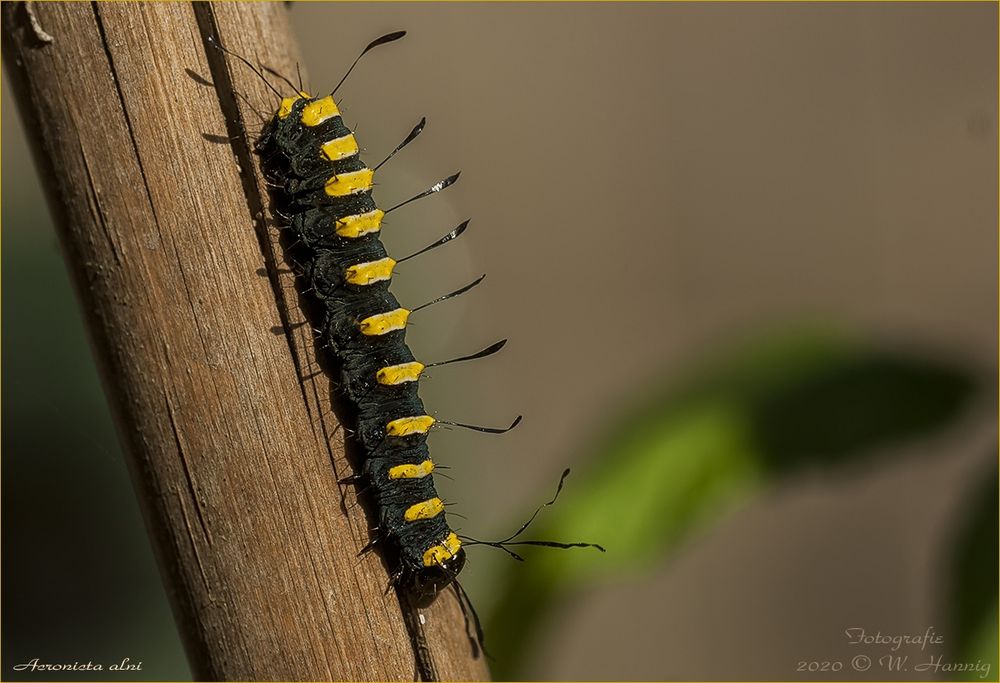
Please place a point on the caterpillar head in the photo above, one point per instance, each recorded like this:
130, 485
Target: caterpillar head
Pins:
427, 582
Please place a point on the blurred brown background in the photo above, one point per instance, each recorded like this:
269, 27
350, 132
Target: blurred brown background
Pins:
651, 186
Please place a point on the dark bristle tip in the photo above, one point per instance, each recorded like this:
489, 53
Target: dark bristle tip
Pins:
382, 40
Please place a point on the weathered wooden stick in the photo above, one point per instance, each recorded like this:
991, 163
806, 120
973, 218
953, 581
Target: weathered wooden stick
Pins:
235, 451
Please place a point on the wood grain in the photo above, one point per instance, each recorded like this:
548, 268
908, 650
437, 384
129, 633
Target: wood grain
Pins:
234, 448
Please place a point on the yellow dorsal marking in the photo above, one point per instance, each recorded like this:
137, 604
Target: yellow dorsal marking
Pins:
404, 426
340, 148
349, 183
418, 471
361, 224
383, 323
367, 273
397, 374
425, 510
438, 554
286, 104
286, 107
319, 111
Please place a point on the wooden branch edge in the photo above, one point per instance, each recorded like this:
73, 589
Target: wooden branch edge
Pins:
230, 443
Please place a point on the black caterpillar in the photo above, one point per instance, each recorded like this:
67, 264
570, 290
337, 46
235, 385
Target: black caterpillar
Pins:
325, 190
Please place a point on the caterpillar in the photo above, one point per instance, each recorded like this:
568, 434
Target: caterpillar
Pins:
324, 190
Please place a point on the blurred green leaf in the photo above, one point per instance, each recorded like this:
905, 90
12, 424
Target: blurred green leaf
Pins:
973, 595
700, 446
661, 477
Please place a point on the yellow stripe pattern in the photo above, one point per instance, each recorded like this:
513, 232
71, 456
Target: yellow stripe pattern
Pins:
418, 471
439, 554
349, 183
361, 224
355, 226
340, 148
425, 510
319, 111
367, 273
404, 426
286, 104
397, 374
384, 323
286, 107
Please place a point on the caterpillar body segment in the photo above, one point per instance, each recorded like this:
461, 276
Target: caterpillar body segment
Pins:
318, 228
336, 269
366, 385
